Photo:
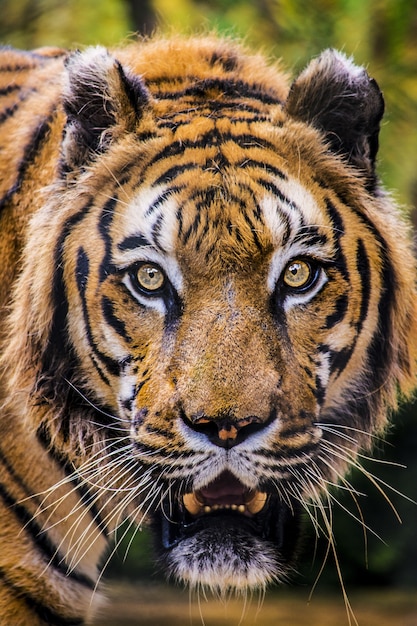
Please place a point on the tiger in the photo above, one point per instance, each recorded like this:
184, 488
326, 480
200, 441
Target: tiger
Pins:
208, 310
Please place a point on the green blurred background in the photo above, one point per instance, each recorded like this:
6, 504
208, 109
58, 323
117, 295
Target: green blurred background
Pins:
382, 35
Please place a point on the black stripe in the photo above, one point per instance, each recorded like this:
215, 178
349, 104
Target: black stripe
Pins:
338, 232
257, 213
364, 271
202, 236
191, 229
177, 148
264, 167
311, 235
30, 152
269, 186
180, 221
59, 324
156, 230
45, 613
112, 320
100, 372
229, 88
380, 348
341, 307
175, 171
162, 198
104, 225
366, 405
82, 270
339, 359
9, 112
253, 230
18, 67
81, 274
133, 242
174, 124
58, 359
229, 62
5, 91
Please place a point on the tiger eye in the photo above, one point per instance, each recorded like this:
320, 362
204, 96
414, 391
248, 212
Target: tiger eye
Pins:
150, 277
297, 274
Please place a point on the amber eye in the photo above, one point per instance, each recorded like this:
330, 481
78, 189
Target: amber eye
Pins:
298, 274
150, 277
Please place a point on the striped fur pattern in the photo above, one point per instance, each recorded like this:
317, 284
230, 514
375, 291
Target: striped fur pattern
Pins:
207, 310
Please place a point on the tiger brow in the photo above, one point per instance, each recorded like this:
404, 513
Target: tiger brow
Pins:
134, 241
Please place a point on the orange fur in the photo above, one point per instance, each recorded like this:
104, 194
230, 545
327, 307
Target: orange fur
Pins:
197, 159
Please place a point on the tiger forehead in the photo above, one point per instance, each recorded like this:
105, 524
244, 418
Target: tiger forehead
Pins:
227, 220
218, 190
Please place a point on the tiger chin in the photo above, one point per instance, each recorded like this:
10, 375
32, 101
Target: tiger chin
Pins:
207, 310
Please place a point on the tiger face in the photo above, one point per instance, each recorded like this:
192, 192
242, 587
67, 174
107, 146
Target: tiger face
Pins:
221, 299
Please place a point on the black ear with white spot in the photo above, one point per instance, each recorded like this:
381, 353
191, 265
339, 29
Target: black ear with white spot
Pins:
340, 99
102, 101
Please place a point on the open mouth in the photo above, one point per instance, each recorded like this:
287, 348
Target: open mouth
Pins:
226, 493
225, 522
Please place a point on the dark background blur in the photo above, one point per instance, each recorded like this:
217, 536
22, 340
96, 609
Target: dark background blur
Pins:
380, 34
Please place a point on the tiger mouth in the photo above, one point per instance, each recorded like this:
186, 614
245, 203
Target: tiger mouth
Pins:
227, 504
196, 506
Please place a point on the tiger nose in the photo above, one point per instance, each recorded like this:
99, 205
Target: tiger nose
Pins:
225, 431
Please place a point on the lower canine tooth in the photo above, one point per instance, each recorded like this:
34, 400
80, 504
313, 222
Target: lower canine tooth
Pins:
193, 506
257, 503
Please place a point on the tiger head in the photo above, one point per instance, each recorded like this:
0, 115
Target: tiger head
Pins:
219, 309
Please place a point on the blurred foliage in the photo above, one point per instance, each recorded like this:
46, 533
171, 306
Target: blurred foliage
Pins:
380, 34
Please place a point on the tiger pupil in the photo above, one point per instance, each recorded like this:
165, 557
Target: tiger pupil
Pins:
297, 274
150, 277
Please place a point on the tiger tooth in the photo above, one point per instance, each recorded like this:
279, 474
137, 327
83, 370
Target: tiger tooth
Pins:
193, 506
257, 503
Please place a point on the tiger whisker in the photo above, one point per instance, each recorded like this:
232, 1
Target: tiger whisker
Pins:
113, 512
115, 548
85, 539
86, 509
327, 517
43, 507
336, 450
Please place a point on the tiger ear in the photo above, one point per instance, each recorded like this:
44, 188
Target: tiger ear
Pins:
340, 99
102, 101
